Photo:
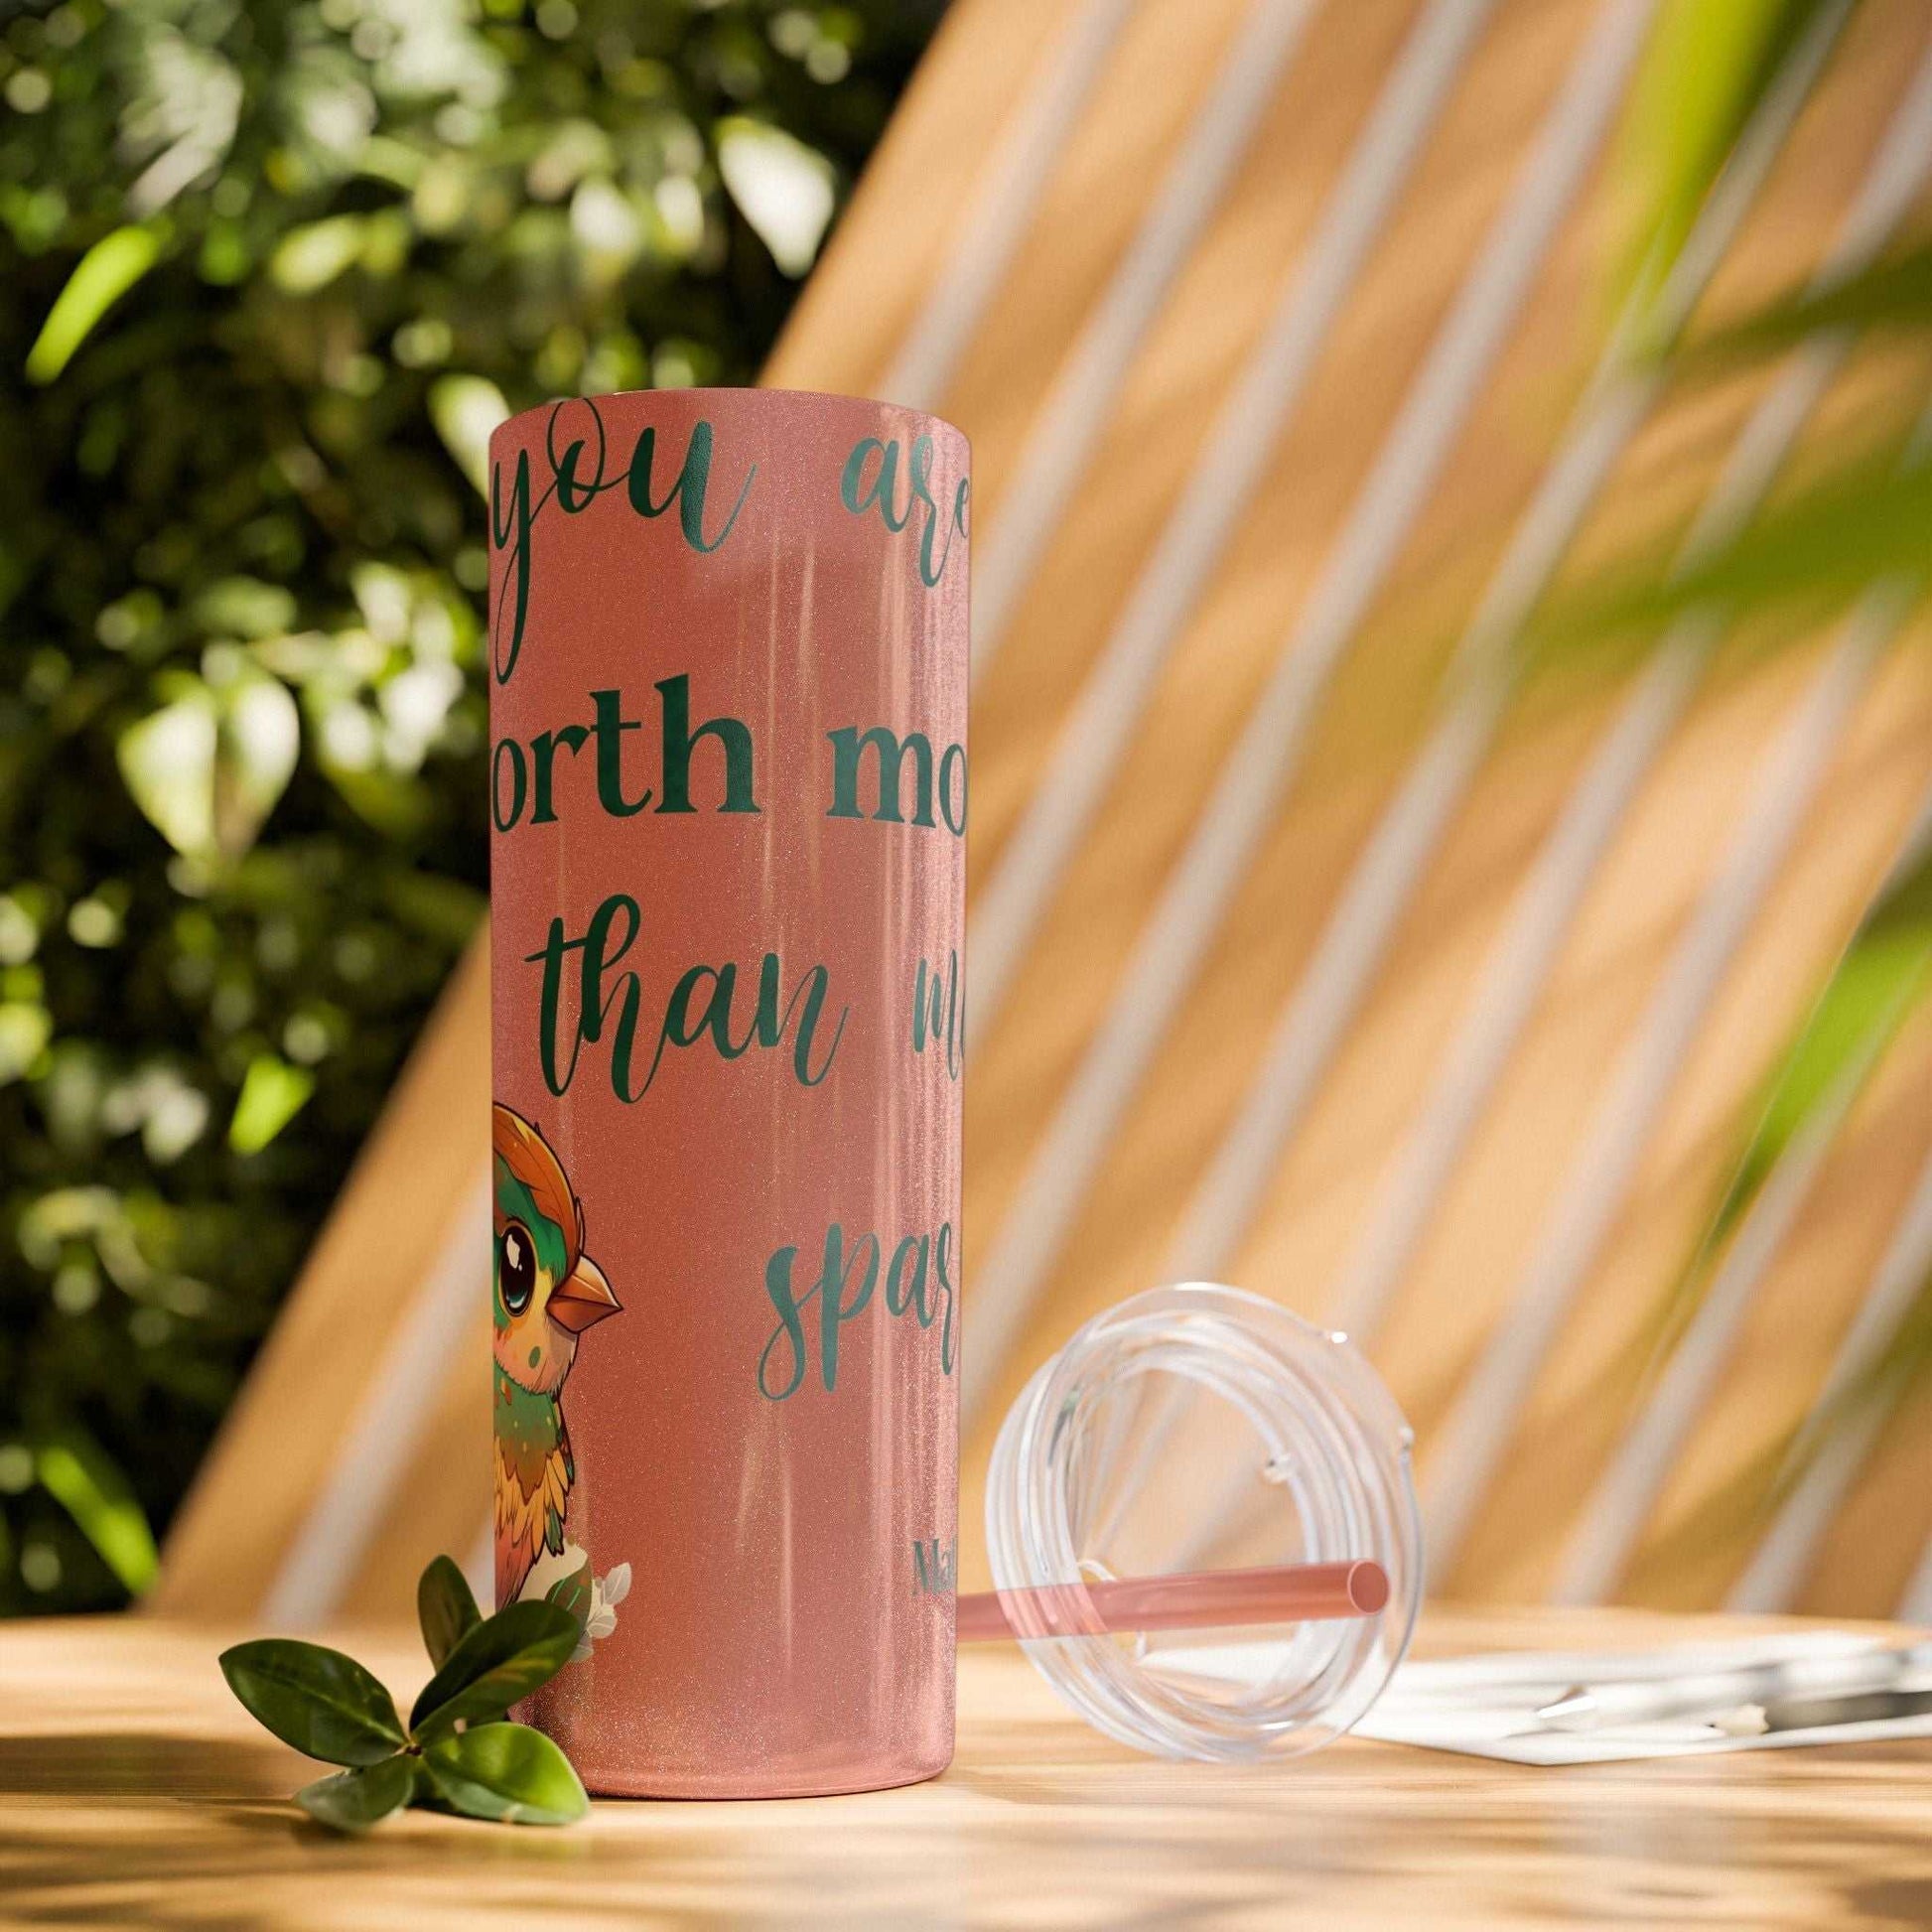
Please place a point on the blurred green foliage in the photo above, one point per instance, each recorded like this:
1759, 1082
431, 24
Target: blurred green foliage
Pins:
1859, 529
269, 274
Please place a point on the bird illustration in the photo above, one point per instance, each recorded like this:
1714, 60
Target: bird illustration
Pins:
548, 1291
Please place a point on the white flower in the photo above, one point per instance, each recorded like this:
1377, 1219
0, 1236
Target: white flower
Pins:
607, 1592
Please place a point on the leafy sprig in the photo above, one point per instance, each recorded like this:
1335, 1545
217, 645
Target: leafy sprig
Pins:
459, 1753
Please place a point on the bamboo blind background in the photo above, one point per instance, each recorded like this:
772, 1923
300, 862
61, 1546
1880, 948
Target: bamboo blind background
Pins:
1272, 323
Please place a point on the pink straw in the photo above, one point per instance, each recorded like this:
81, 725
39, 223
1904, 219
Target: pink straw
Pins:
1199, 1601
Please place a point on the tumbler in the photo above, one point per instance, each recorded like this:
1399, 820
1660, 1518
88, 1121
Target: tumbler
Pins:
728, 791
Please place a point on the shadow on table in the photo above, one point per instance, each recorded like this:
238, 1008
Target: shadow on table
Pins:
140, 1765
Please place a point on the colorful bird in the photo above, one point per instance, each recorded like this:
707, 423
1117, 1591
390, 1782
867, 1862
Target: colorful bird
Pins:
548, 1291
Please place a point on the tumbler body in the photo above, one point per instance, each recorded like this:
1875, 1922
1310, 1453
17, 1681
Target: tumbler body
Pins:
728, 724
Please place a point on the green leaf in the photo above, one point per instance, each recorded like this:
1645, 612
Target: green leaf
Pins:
352, 1801
466, 410
507, 1772
1895, 292
1709, 64
572, 1595
1864, 521
257, 747
166, 762
445, 1609
323, 1703
26, 1026
1879, 977
311, 257
80, 1477
100, 278
243, 607
785, 190
207, 767
505, 1658
272, 1094
1885, 971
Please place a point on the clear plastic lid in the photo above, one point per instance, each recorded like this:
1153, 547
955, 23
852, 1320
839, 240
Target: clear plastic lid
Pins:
1199, 1427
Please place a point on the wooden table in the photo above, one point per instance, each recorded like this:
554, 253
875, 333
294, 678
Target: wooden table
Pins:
133, 1791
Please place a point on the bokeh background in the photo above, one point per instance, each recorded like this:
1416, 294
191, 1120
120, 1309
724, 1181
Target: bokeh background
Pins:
1452, 724
269, 274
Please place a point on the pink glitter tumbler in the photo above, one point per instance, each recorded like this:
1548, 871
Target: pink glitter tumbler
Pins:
728, 790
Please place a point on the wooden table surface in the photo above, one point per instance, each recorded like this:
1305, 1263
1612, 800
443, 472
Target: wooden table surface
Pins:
133, 1791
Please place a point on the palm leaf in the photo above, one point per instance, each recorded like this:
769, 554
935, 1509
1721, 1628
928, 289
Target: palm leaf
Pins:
1892, 293
1709, 64
1865, 521
1883, 973
1880, 978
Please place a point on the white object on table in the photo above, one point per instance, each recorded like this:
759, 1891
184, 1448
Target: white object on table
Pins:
1486, 1705
1709, 1694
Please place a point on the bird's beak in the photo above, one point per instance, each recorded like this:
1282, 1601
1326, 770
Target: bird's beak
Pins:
582, 1297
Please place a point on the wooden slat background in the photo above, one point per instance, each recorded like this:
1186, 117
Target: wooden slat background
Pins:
849, 327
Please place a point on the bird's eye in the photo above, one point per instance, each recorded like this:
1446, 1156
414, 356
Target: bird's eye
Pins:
516, 1267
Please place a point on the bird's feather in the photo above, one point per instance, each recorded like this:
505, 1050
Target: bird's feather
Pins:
534, 1472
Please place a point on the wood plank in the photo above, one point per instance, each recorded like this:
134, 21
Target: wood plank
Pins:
1140, 112
1169, 396
1368, 729
860, 301
139, 1792
442, 1502
1060, 995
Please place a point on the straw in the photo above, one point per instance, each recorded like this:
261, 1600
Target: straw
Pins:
1196, 1600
